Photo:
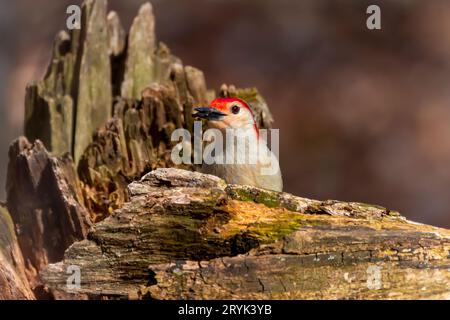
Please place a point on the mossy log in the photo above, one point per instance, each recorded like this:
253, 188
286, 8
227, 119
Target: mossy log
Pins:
186, 235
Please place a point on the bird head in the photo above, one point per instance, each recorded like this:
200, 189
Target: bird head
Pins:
227, 113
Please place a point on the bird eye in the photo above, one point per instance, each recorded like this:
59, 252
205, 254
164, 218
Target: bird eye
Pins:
235, 109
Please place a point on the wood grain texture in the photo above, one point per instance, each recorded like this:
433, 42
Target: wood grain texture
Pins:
13, 279
45, 202
186, 235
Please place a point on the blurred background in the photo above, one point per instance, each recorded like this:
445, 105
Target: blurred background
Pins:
363, 115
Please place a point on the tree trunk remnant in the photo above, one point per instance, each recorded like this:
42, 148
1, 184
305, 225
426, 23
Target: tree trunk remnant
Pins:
72, 113
45, 202
69, 111
93, 92
139, 67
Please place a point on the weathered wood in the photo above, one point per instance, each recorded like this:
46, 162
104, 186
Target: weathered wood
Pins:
116, 35
93, 75
45, 201
49, 106
186, 235
139, 68
196, 84
13, 280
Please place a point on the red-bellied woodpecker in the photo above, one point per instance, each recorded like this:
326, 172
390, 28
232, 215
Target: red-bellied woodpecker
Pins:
246, 160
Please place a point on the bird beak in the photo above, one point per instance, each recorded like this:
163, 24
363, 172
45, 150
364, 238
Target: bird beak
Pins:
208, 113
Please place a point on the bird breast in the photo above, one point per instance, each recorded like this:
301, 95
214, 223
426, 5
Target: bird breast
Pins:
262, 171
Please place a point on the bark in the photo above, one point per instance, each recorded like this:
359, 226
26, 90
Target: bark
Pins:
49, 106
69, 110
44, 199
186, 235
93, 92
13, 280
139, 70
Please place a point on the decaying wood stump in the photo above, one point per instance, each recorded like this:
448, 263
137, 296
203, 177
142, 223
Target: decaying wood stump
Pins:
102, 118
153, 93
186, 235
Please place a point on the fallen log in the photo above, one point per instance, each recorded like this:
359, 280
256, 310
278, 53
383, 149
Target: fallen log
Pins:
186, 235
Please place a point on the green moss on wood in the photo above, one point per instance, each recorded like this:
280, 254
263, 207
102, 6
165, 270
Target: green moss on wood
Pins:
243, 193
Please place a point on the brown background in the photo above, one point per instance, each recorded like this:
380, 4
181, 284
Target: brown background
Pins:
363, 115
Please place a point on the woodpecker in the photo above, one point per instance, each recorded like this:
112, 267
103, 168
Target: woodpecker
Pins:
235, 115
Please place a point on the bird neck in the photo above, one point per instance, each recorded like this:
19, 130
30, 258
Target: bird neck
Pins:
241, 145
